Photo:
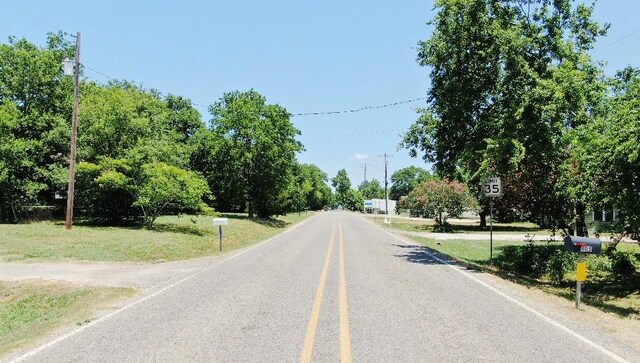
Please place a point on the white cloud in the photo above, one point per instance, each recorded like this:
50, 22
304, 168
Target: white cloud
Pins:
360, 157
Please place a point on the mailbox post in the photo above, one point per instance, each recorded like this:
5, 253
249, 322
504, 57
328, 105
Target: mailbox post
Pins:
220, 222
582, 246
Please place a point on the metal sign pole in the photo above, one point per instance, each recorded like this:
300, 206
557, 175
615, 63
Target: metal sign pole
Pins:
220, 234
491, 231
579, 281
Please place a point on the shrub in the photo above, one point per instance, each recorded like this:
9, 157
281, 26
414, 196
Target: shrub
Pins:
559, 263
622, 263
535, 260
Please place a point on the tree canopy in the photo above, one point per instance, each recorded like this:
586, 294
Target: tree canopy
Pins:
509, 79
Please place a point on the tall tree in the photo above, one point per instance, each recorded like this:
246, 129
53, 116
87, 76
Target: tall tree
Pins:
257, 151
405, 180
509, 78
371, 189
35, 103
342, 186
604, 167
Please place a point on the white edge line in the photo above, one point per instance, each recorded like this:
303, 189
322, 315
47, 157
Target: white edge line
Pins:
558, 325
127, 307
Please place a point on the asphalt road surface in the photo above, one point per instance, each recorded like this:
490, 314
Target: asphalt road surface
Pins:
335, 288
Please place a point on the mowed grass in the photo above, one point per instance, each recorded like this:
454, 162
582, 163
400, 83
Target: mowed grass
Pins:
610, 293
465, 226
29, 310
173, 238
470, 251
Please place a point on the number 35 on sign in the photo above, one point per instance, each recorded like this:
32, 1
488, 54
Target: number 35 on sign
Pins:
493, 187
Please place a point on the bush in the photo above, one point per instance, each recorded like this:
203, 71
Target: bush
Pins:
536, 260
559, 264
622, 263
600, 263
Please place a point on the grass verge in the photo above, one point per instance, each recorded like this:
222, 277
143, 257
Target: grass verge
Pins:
30, 310
463, 226
173, 238
619, 294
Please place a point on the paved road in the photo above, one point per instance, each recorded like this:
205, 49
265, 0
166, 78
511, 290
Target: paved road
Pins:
335, 288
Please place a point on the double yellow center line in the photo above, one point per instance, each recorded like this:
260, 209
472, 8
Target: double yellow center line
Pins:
345, 335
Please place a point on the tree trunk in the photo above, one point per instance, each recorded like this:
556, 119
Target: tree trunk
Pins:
581, 225
483, 219
15, 215
250, 209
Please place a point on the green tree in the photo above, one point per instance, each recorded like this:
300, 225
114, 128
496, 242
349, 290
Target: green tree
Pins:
509, 78
604, 167
313, 185
35, 109
354, 200
342, 186
256, 152
371, 189
163, 186
440, 199
405, 180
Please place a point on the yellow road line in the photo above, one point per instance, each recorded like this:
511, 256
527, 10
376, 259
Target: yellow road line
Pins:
307, 349
345, 335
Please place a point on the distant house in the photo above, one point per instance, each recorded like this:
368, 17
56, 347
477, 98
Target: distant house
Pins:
378, 206
600, 219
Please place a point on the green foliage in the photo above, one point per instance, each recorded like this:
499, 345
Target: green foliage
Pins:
252, 153
342, 186
439, 199
606, 153
35, 102
405, 180
536, 260
622, 263
163, 186
308, 189
508, 80
353, 200
371, 189
104, 192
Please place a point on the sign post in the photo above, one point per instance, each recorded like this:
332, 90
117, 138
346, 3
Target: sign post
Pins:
492, 188
220, 222
581, 275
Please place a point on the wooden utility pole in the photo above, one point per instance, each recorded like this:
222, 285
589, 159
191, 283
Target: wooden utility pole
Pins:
74, 135
386, 183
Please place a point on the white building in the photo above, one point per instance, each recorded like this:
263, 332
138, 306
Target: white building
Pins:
378, 206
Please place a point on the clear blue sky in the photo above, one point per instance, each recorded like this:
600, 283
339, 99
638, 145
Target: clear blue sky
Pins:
307, 56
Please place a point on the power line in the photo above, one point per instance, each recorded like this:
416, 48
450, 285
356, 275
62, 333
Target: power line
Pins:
359, 109
367, 133
98, 72
303, 113
49, 25
619, 39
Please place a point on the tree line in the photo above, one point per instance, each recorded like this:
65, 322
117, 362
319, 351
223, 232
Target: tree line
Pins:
142, 153
515, 93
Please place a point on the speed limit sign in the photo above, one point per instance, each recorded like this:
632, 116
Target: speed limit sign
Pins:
493, 187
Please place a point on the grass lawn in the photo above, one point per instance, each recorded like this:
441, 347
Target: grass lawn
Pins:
173, 238
29, 310
611, 293
464, 226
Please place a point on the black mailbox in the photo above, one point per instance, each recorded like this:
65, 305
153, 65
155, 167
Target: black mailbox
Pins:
582, 244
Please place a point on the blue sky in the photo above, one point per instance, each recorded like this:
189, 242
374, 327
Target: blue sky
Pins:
308, 56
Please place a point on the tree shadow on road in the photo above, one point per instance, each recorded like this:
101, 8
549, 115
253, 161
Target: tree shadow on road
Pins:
422, 255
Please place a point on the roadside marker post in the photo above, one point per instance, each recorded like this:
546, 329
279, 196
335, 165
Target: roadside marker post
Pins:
220, 222
492, 188
581, 275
